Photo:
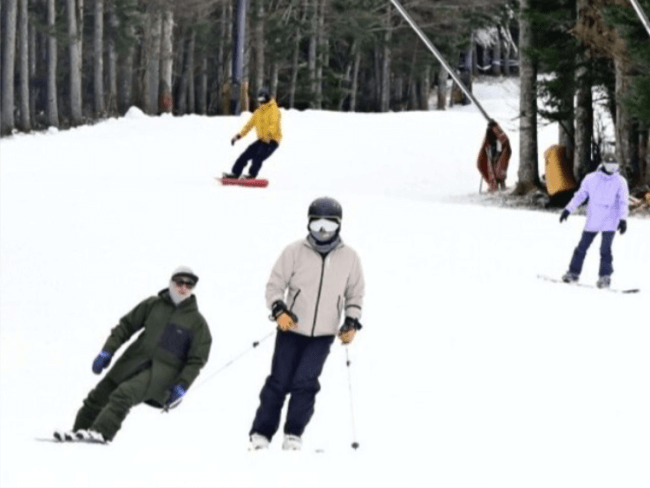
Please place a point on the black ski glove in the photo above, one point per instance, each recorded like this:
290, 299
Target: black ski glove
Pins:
564, 216
622, 226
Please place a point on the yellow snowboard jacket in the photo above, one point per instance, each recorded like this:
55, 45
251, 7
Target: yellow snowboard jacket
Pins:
266, 120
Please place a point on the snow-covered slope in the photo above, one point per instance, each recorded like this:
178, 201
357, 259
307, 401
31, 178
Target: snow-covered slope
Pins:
469, 370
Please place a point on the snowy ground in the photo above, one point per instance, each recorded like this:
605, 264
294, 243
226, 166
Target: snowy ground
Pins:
469, 372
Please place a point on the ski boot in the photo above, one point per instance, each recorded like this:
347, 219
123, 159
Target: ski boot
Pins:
291, 443
603, 282
258, 442
570, 277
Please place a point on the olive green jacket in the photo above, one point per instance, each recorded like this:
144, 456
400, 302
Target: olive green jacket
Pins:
175, 342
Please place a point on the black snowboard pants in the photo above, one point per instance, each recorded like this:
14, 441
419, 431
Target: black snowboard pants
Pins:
259, 151
297, 364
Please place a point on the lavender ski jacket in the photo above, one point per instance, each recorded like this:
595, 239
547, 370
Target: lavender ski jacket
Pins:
608, 200
320, 291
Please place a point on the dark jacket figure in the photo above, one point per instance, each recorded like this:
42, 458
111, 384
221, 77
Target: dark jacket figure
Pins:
158, 368
322, 281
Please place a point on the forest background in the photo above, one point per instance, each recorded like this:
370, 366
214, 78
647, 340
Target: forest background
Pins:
67, 63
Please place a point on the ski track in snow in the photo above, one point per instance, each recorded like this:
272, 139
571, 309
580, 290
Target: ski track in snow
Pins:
469, 371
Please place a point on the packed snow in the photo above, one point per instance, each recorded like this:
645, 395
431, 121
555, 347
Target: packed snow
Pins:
469, 371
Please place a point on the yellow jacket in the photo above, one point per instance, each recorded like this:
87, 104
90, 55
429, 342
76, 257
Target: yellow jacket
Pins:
266, 120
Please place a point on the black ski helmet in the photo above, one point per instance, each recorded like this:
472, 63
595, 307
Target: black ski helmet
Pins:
325, 208
263, 95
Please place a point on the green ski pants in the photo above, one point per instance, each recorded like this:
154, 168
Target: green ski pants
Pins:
108, 404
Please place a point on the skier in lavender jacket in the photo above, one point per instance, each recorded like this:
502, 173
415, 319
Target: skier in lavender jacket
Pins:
607, 211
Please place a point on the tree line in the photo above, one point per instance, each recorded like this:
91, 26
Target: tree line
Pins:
593, 52
70, 62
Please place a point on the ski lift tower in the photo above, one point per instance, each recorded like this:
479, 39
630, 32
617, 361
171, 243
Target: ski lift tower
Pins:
238, 57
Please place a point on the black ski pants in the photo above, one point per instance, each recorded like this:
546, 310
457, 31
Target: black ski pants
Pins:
297, 364
259, 151
578, 258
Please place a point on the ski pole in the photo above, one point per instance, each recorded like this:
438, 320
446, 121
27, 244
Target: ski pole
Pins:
355, 444
255, 344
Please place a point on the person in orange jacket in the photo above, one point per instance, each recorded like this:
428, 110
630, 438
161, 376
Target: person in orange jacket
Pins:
266, 120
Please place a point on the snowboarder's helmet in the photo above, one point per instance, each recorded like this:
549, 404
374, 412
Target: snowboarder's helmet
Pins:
325, 208
263, 95
610, 163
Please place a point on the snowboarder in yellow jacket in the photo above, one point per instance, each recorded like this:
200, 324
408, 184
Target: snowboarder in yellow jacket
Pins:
266, 120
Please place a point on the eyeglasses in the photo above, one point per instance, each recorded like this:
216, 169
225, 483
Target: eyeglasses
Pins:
189, 284
323, 224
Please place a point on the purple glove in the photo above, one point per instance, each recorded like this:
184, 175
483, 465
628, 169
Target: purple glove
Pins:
177, 392
102, 361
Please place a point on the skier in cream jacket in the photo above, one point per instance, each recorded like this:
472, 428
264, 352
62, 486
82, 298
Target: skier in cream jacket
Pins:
315, 285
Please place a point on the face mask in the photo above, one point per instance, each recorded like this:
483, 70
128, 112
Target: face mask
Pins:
323, 230
611, 167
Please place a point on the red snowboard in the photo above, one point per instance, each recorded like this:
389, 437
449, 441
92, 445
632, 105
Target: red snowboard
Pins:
257, 182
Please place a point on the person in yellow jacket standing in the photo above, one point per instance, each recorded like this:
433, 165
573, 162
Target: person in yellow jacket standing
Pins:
266, 120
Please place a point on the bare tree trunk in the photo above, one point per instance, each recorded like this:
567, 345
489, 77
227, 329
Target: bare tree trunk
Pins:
647, 159
52, 106
224, 67
584, 122
644, 140
627, 141
313, 42
496, 56
385, 69
191, 99
275, 74
35, 90
322, 53
295, 66
166, 62
75, 63
181, 96
9, 10
113, 24
441, 88
152, 61
125, 93
24, 123
203, 86
258, 46
528, 166
98, 45
505, 55
425, 88
355, 77
566, 128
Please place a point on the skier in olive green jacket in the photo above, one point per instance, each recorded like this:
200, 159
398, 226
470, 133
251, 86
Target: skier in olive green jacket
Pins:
156, 369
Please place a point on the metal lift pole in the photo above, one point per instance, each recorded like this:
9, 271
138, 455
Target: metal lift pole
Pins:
641, 15
238, 56
437, 54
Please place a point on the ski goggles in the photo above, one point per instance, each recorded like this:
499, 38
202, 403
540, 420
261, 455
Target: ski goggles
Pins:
181, 282
323, 224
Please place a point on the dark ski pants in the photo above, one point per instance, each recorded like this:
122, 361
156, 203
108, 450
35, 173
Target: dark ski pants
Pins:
606, 258
297, 364
108, 404
258, 152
